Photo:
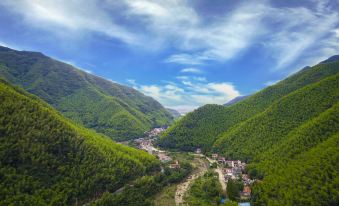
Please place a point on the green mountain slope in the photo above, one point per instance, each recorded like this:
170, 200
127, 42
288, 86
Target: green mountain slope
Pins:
288, 133
117, 111
236, 100
196, 129
303, 169
202, 127
47, 160
259, 133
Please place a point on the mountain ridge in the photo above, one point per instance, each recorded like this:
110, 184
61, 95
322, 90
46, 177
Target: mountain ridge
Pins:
203, 126
112, 109
287, 134
235, 100
174, 113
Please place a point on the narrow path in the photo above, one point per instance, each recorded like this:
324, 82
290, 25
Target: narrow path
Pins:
183, 187
221, 176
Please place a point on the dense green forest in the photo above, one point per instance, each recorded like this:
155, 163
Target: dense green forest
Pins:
203, 126
141, 191
196, 129
45, 159
256, 135
117, 111
205, 191
293, 146
303, 169
288, 133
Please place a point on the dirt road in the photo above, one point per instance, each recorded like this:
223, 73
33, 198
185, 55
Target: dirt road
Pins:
221, 179
182, 188
221, 176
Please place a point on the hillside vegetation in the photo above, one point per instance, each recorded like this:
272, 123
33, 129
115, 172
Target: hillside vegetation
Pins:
293, 146
303, 169
205, 191
288, 133
117, 111
257, 134
202, 127
46, 159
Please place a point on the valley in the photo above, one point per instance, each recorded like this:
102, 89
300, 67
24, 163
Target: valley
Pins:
88, 141
277, 132
225, 170
169, 103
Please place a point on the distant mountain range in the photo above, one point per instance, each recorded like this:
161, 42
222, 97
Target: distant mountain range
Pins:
288, 133
174, 113
115, 110
235, 100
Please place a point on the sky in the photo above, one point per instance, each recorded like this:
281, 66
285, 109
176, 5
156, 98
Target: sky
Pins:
183, 53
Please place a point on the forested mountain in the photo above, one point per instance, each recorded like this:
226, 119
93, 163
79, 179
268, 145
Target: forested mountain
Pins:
174, 113
202, 127
304, 168
45, 159
195, 129
288, 133
117, 111
259, 133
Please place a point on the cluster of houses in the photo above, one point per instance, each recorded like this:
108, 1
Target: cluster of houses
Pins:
234, 169
147, 145
155, 132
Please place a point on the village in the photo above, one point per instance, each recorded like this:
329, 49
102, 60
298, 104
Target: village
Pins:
147, 144
227, 169
233, 170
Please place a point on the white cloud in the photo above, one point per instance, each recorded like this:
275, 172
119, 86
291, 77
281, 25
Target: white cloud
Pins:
74, 16
286, 32
185, 59
183, 77
190, 93
188, 78
329, 47
163, 22
201, 79
336, 32
299, 29
191, 70
222, 39
302, 29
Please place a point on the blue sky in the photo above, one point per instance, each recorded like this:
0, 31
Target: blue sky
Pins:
184, 53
